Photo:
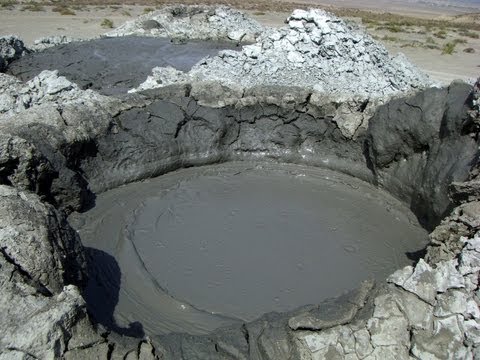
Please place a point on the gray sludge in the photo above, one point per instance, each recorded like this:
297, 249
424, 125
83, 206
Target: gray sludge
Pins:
232, 239
57, 157
113, 65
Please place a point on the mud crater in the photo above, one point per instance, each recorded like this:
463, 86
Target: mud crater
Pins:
227, 243
260, 207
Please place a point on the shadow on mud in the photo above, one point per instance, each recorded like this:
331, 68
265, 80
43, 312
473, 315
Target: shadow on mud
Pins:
102, 292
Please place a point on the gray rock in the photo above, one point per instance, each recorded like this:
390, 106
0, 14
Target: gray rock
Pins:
363, 346
32, 227
472, 332
46, 88
22, 165
468, 190
451, 303
420, 281
38, 326
391, 331
444, 341
471, 214
322, 345
393, 352
470, 259
84, 336
193, 22
446, 240
328, 314
162, 75
150, 24
448, 277
418, 313
95, 352
316, 51
11, 48
62, 133
51, 41
387, 305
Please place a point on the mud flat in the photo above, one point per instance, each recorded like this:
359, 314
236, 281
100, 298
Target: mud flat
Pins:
114, 65
244, 239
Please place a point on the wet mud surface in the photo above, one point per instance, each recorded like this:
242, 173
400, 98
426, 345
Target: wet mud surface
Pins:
114, 65
205, 247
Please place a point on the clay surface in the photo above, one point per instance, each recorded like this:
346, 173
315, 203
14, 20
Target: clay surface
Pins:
243, 239
114, 65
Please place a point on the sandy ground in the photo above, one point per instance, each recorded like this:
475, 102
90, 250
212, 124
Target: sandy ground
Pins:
417, 9
443, 68
31, 25
86, 22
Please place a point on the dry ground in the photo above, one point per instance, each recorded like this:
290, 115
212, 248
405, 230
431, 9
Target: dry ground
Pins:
446, 46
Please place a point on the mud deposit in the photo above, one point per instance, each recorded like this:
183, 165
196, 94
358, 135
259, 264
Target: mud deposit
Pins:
114, 65
235, 241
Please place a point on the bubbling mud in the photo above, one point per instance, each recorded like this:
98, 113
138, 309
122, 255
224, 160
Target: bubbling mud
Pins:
210, 246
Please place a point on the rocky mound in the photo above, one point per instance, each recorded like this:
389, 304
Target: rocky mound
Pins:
51, 41
11, 48
193, 22
316, 51
47, 87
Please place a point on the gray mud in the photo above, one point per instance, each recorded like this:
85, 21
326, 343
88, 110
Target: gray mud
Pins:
114, 65
240, 239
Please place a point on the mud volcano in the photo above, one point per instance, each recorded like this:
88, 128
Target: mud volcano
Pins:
214, 219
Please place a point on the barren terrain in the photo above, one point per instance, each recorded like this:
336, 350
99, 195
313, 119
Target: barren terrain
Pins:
442, 41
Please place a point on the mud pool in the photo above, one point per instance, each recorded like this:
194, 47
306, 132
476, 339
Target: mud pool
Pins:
205, 247
114, 65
